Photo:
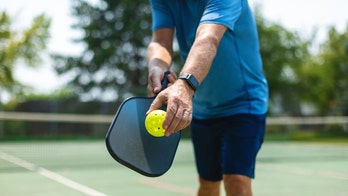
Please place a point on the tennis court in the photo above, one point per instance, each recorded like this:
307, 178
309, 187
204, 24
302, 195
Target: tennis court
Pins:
85, 168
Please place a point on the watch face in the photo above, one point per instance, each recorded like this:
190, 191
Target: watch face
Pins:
191, 80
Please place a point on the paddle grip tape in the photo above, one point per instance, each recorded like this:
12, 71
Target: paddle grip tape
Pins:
165, 80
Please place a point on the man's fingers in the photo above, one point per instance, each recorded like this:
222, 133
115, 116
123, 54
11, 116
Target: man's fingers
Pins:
153, 87
157, 102
156, 85
170, 118
177, 120
155, 81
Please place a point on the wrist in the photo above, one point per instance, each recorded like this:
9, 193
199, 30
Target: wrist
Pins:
157, 64
186, 86
190, 80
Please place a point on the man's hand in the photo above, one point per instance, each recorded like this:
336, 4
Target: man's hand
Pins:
178, 98
156, 75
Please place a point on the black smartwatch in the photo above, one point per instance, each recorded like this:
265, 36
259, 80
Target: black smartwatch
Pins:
190, 79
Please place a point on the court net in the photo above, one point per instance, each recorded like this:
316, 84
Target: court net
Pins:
25, 125
22, 125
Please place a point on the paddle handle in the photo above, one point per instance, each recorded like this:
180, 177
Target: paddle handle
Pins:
164, 85
165, 80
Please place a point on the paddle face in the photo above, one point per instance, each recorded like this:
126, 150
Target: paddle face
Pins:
130, 144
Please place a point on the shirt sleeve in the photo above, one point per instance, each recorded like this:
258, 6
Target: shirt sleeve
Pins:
225, 12
161, 16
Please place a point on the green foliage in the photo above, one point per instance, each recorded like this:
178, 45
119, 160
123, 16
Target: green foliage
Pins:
15, 46
56, 95
113, 64
61, 94
326, 132
116, 35
325, 76
283, 53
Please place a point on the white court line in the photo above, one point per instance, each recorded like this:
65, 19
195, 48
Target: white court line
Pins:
168, 187
49, 174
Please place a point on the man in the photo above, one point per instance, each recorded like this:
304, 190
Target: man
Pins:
221, 90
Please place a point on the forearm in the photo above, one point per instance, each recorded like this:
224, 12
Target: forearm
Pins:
158, 56
203, 50
160, 50
159, 59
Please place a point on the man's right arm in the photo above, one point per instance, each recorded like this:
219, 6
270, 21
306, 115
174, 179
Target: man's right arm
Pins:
159, 58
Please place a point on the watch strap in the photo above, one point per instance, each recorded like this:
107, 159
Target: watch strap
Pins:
190, 79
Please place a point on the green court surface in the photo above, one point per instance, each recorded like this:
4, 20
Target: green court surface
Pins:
85, 168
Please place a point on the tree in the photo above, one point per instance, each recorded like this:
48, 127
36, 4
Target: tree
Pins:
113, 64
325, 76
15, 46
283, 53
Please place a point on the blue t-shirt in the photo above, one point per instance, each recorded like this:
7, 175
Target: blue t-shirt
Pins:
235, 83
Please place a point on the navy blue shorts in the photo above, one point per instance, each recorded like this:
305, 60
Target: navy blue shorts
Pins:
227, 145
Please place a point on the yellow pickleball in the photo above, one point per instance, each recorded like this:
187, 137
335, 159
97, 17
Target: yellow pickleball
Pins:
154, 121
